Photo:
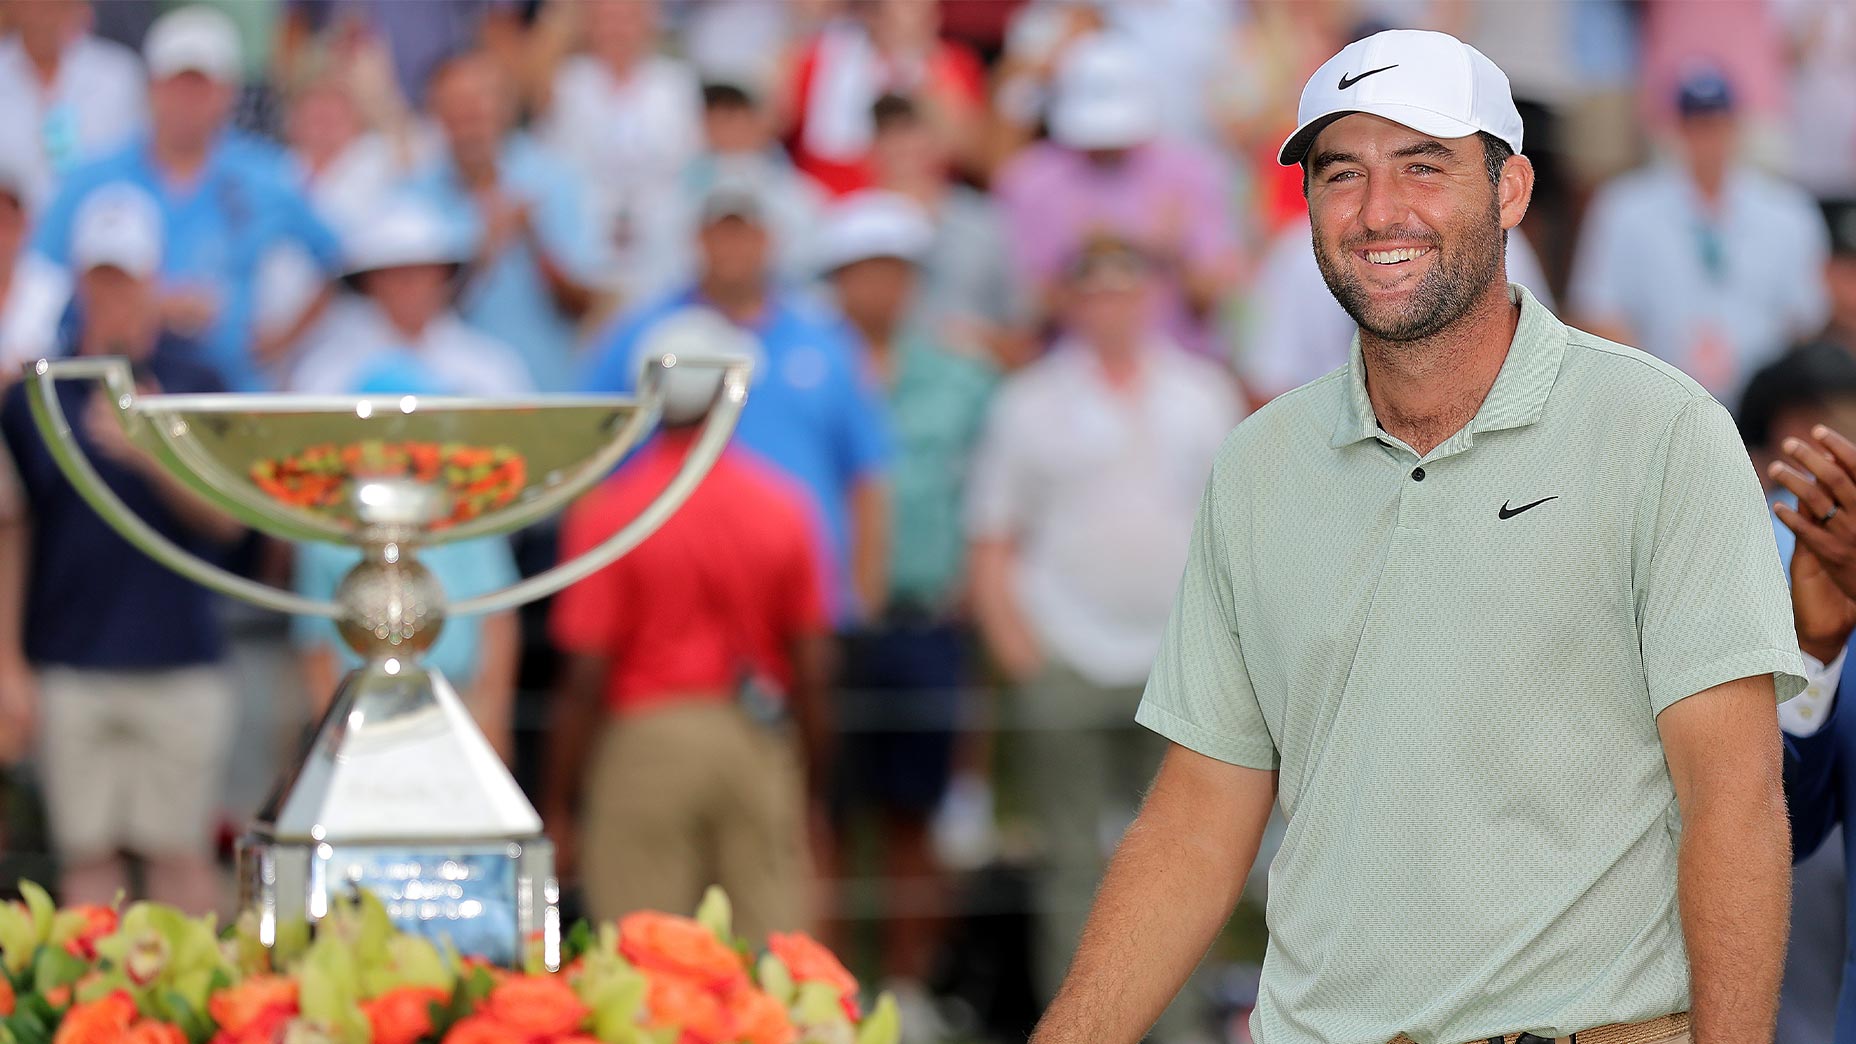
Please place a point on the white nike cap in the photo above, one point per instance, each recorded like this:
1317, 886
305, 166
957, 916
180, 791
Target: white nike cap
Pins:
1431, 82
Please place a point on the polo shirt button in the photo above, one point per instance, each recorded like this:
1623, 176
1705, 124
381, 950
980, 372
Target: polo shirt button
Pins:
1417, 474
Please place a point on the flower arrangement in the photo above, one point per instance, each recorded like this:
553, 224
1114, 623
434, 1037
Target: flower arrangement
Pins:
152, 975
478, 477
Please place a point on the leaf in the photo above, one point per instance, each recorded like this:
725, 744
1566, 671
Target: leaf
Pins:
717, 914
18, 941
578, 941
39, 902
776, 981
330, 987
884, 1025
55, 968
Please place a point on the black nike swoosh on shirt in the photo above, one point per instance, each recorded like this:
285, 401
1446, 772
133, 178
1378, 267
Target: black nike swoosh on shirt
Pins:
1506, 512
1348, 81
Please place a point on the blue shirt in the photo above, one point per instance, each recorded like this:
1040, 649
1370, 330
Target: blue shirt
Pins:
93, 600
465, 570
215, 230
509, 299
812, 411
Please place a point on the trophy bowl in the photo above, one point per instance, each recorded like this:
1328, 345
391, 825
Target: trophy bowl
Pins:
399, 792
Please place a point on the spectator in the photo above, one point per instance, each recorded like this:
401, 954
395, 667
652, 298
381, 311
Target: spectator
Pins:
414, 38
124, 655
531, 277
1294, 330
812, 413
404, 262
1706, 262
1840, 277
476, 654
691, 663
1082, 502
225, 201
1038, 39
33, 291
970, 298
1822, 41
628, 120
880, 47
69, 96
904, 671
1104, 170
1814, 383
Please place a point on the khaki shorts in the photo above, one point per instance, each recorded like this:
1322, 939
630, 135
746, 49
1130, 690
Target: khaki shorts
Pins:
133, 759
688, 795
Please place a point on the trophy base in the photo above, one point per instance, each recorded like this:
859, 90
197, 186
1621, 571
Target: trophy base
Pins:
490, 898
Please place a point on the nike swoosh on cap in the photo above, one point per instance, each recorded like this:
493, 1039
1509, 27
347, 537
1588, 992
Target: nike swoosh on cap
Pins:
1348, 81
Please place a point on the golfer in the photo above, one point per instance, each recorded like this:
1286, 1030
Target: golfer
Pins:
1495, 613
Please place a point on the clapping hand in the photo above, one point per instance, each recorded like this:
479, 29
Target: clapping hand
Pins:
1821, 473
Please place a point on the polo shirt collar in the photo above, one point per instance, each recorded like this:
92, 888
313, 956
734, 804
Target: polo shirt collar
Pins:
1516, 400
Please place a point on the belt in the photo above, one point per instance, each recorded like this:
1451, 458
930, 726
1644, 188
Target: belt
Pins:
1650, 1031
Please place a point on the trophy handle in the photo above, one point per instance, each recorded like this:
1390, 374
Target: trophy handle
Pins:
717, 427
55, 427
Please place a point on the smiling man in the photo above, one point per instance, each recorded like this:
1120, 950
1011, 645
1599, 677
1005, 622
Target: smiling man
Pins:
1495, 614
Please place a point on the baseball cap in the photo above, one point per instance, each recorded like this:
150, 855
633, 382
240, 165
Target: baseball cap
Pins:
1431, 82
1703, 91
733, 195
403, 232
695, 334
117, 226
1840, 218
194, 39
870, 224
1107, 262
1104, 96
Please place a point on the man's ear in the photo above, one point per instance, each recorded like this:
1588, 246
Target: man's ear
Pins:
1515, 189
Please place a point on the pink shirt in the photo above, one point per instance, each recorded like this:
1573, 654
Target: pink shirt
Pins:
1167, 196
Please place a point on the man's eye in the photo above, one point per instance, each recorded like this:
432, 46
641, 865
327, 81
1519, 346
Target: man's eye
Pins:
1423, 168
1344, 175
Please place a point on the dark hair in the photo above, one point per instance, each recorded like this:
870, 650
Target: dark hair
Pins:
1495, 153
1811, 376
892, 110
726, 96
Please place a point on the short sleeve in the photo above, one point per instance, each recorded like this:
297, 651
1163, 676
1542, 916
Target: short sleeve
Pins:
1712, 602
998, 487
1199, 693
587, 616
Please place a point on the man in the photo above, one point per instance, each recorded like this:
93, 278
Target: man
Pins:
1706, 263
905, 670
1495, 613
692, 724
120, 657
812, 412
225, 201
1840, 274
70, 96
1079, 516
404, 261
1104, 170
536, 256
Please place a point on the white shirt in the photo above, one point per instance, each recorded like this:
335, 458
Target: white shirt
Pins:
1098, 488
629, 141
1804, 714
1294, 331
1718, 296
96, 104
356, 337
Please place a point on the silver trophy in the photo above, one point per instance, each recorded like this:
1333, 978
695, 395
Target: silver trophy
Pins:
399, 792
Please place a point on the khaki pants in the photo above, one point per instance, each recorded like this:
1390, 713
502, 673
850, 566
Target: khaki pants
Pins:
693, 794
133, 759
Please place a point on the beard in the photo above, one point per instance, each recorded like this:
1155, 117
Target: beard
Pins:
1441, 297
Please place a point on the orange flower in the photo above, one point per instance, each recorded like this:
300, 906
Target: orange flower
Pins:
811, 962
99, 921
255, 1006
6, 997
146, 1032
404, 1015
536, 1006
59, 996
482, 1029
102, 1021
661, 942
677, 1002
759, 1019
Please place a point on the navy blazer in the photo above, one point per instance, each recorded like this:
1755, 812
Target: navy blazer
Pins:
1820, 789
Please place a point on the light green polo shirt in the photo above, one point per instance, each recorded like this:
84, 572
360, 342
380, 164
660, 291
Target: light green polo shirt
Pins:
1456, 664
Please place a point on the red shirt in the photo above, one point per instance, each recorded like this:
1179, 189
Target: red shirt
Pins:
724, 586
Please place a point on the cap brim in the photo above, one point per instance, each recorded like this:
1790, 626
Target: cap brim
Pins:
1115, 124
1422, 120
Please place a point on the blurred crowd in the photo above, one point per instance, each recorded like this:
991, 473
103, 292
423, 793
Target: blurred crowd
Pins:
1008, 270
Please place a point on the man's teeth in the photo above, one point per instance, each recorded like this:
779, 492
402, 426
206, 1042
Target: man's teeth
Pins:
1392, 257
